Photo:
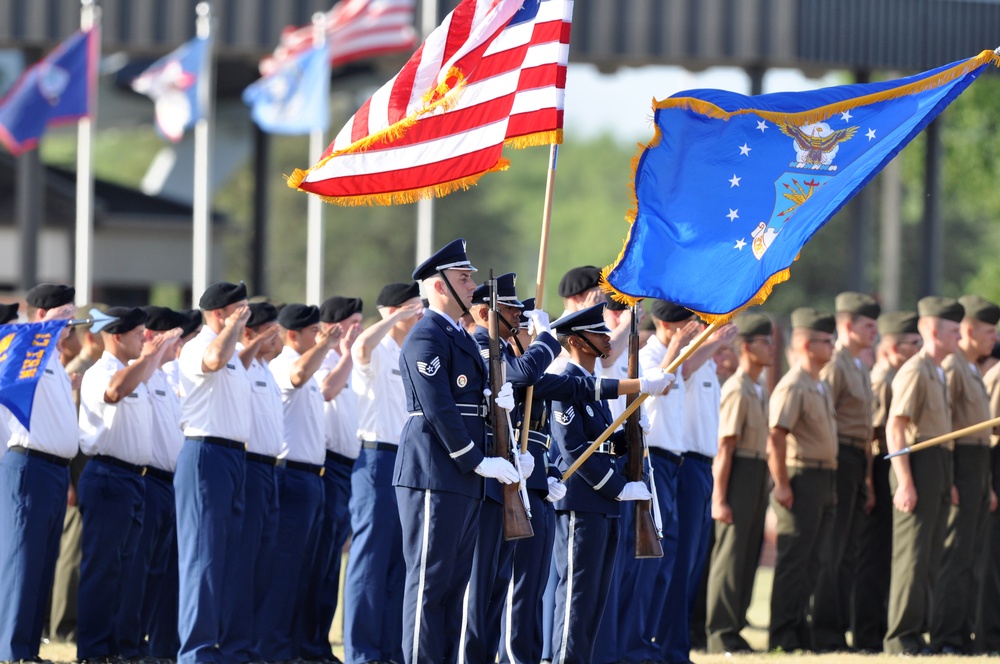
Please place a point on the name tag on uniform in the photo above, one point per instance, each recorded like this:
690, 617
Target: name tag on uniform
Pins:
132, 396
160, 393
50, 372
396, 372
231, 367
261, 383
707, 384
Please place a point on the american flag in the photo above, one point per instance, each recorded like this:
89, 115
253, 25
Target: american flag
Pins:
355, 29
441, 122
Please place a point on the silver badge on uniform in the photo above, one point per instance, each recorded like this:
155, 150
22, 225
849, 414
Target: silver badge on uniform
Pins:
590, 411
429, 368
462, 381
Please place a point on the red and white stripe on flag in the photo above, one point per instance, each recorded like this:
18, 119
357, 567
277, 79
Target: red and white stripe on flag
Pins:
537, 115
440, 123
355, 29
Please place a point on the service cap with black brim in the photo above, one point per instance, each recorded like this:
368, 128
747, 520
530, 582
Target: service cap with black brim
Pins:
8, 312
579, 280
261, 313
809, 318
668, 312
394, 295
590, 319
298, 316
128, 318
898, 322
936, 306
221, 294
50, 296
162, 319
980, 308
753, 325
338, 308
451, 256
506, 293
858, 304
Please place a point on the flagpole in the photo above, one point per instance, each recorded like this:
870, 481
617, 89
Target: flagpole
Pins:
543, 254
202, 246
83, 278
314, 212
425, 206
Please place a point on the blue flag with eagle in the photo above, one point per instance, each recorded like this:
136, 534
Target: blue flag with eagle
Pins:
25, 350
731, 187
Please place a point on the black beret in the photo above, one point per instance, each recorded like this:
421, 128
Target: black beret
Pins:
449, 257
8, 312
980, 308
936, 306
50, 296
161, 319
668, 312
261, 313
858, 304
192, 321
578, 280
129, 318
222, 294
808, 318
753, 325
898, 322
393, 295
298, 316
335, 309
615, 305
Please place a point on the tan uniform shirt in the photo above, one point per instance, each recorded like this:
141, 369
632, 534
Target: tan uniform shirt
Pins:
852, 396
743, 414
992, 381
803, 407
920, 393
882, 375
970, 403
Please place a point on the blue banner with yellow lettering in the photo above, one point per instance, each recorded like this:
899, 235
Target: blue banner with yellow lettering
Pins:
731, 187
24, 351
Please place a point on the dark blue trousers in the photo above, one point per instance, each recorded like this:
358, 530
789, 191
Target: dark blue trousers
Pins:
521, 634
255, 564
159, 602
584, 551
32, 508
373, 587
649, 589
439, 541
156, 536
608, 644
324, 591
111, 504
208, 492
300, 494
694, 522
482, 614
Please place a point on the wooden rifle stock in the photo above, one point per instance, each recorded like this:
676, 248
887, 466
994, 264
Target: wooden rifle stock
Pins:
647, 539
516, 524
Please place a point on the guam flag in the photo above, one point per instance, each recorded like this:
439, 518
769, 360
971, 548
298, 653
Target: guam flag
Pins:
24, 352
732, 187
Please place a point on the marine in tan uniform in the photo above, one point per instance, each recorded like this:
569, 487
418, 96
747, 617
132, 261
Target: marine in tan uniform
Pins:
740, 488
850, 386
988, 613
802, 457
952, 624
920, 482
870, 591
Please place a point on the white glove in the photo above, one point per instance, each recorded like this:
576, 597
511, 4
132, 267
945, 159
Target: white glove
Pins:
644, 422
499, 469
539, 322
527, 464
557, 490
655, 382
634, 491
505, 397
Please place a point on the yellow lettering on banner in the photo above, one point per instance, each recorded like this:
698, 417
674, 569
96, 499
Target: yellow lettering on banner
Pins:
42, 340
27, 373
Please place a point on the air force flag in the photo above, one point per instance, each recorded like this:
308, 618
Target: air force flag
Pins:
293, 99
24, 352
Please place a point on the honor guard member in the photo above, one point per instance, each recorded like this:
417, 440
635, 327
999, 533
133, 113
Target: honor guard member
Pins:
254, 567
921, 483
149, 604
587, 517
899, 342
340, 415
988, 615
441, 461
850, 385
373, 586
300, 482
34, 481
739, 494
952, 625
802, 457
210, 474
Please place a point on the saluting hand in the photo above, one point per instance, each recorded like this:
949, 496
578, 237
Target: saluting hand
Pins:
725, 334
348, 338
328, 335
239, 317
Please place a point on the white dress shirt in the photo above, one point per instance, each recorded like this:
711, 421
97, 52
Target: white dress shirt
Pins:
665, 412
702, 399
304, 437
267, 429
340, 413
172, 369
214, 403
53, 415
122, 430
379, 387
167, 437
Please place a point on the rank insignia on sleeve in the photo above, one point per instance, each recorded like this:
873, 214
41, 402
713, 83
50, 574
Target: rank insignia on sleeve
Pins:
429, 368
564, 418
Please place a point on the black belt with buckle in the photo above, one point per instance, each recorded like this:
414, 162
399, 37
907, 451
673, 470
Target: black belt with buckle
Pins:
472, 409
378, 445
38, 454
162, 475
262, 458
221, 442
698, 457
307, 467
339, 458
125, 465
673, 458
538, 437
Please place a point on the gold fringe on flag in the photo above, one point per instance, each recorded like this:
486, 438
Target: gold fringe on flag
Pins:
532, 140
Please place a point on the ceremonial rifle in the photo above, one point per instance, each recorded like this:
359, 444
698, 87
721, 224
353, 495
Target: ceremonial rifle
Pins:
516, 524
647, 537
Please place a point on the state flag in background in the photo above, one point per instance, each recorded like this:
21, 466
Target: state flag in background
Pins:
295, 97
732, 187
173, 83
56, 90
24, 352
